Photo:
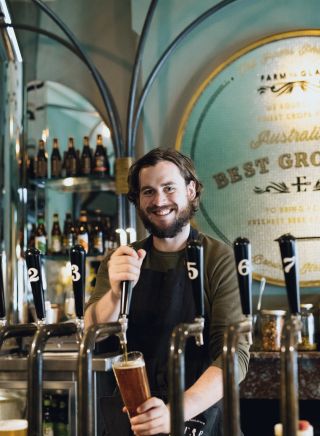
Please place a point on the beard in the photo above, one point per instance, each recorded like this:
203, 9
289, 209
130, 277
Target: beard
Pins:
170, 230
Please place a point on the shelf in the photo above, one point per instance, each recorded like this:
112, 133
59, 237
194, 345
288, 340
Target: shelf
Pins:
64, 257
76, 184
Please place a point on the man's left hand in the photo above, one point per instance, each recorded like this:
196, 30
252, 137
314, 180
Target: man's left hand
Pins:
153, 418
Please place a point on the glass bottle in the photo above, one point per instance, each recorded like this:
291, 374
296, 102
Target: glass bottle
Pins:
83, 231
272, 322
47, 416
42, 161
71, 160
97, 236
69, 234
308, 342
40, 240
86, 158
56, 161
100, 159
56, 236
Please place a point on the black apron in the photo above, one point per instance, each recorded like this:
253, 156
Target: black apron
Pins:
159, 302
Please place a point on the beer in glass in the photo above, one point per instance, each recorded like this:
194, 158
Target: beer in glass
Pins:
13, 427
131, 375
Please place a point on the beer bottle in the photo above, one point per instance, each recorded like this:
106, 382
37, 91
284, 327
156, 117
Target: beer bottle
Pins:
47, 417
62, 416
69, 234
42, 161
56, 161
71, 160
97, 235
41, 235
83, 231
56, 236
31, 240
86, 158
100, 159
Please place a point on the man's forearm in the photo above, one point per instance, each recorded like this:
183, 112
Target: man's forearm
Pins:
205, 392
105, 310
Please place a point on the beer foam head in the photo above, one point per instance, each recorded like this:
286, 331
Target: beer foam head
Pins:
13, 424
130, 364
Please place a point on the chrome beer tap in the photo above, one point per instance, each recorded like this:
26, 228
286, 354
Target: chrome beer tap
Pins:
6, 330
91, 336
291, 336
78, 271
231, 412
43, 333
179, 338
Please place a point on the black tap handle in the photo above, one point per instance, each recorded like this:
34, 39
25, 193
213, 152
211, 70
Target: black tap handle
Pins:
289, 257
242, 254
195, 273
34, 272
126, 293
78, 270
2, 299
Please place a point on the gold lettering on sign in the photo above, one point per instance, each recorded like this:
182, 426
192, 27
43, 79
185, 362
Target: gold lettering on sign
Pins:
268, 137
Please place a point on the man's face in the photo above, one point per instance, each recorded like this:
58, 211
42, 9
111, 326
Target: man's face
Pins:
164, 199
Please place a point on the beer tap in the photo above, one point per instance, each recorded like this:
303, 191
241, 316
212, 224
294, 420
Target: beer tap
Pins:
291, 336
231, 413
78, 270
6, 330
43, 333
91, 336
180, 334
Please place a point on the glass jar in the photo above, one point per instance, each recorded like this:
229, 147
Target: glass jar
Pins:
308, 328
271, 327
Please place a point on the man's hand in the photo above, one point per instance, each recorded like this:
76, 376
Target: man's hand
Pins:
124, 264
153, 418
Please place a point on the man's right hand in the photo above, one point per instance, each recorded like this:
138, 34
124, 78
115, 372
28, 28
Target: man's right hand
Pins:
124, 264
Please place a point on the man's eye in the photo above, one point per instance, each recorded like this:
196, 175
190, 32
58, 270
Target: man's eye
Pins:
169, 189
147, 193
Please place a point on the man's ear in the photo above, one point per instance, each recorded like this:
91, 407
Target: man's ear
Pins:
191, 189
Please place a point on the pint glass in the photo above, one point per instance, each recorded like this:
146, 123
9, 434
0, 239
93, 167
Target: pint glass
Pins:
132, 380
13, 427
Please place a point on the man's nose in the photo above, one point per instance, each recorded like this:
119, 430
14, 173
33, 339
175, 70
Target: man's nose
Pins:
160, 198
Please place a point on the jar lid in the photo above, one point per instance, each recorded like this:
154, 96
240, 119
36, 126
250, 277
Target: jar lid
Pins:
273, 312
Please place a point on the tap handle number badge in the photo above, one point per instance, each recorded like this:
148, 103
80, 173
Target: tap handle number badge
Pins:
75, 272
33, 274
242, 255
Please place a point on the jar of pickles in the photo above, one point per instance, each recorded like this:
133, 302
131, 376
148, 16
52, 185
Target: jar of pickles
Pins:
272, 322
308, 328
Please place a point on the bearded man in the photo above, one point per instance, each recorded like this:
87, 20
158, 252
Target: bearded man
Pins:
164, 187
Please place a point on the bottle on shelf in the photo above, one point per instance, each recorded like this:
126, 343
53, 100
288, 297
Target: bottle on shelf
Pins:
32, 235
41, 167
48, 423
71, 160
41, 235
83, 231
101, 166
61, 426
56, 161
56, 236
69, 234
86, 158
97, 236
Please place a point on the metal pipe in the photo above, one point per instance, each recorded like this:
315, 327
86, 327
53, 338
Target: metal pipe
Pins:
85, 385
289, 386
35, 371
231, 415
179, 337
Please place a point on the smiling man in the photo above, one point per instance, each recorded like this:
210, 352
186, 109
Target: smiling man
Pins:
166, 191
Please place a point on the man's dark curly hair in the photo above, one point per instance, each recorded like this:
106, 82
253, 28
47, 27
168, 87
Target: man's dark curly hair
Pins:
184, 163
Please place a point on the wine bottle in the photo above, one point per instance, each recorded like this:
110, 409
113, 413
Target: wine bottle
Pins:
56, 236
100, 159
86, 158
42, 161
71, 160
